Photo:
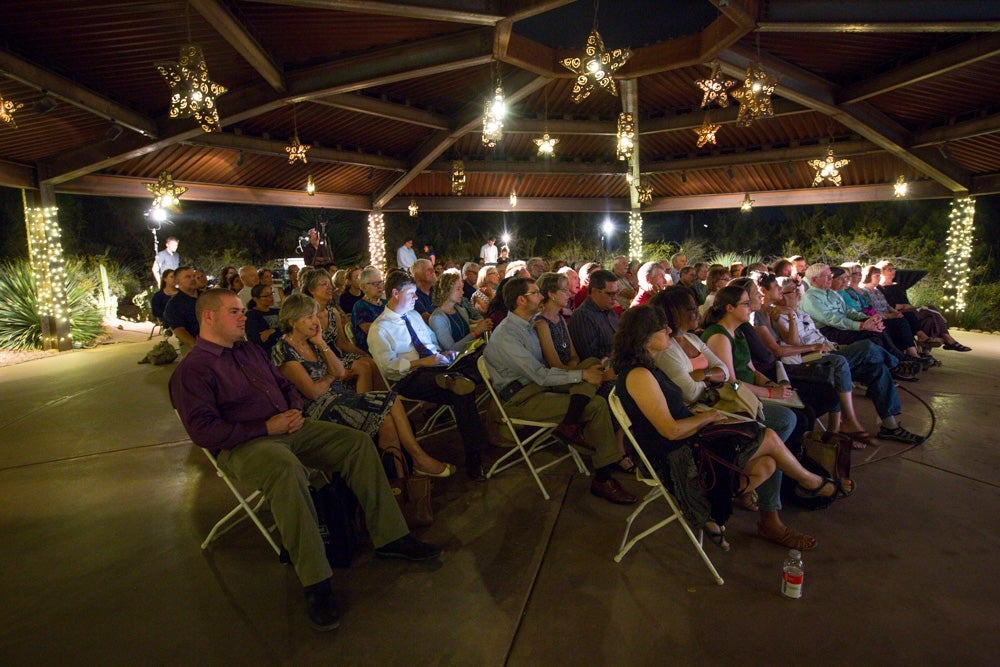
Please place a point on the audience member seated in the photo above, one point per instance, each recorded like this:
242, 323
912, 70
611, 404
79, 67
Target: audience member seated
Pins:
292, 280
517, 268
730, 310
535, 267
266, 277
424, 277
531, 390
626, 290
594, 321
486, 282
226, 277
249, 278
233, 402
550, 324
168, 288
718, 277
332, 322
701, 275
573, 285
652, 280
928, 319
870, 364
179, 314
351, 293
303, 356
262, 320
688, 361
669, 430
585, 272
407, 352
497, 309
453, 323
470, 271
369, 307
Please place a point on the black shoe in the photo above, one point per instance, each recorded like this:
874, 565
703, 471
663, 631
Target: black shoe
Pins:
899, 434
612, 491
456, 383
321, 607
408, 548
904, 378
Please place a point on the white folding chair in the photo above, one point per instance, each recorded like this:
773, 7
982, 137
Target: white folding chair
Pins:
248, 505
430, 427
540, 438
658, 491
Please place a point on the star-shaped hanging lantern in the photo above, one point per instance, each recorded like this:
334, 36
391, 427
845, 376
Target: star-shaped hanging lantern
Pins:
715, 87
706, 133
596, 67
297, 151
192, 92
166, 193
899, 188
546, 145
828, 169
755, 95
7, 109
747, 204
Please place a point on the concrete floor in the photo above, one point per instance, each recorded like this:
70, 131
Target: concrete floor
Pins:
105, 503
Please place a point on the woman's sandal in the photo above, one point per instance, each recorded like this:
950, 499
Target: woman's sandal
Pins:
626, 464
792, 539
957, 347
747, 501
717, 537
838, 490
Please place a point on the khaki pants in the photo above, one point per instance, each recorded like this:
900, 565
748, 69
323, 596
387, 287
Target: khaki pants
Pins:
277, 465
551, 404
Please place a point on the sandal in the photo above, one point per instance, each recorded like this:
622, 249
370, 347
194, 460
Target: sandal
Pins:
717, 537
626, 464
838, 490
957, 347
747, 501
863, 436
791, 539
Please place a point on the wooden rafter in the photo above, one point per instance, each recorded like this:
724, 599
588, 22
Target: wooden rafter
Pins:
234, 32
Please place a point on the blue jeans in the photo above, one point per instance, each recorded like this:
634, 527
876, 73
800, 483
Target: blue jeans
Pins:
782, 421
870, 366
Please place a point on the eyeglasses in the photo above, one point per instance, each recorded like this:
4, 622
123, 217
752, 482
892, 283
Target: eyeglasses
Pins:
532, 293
377, 283
744, 303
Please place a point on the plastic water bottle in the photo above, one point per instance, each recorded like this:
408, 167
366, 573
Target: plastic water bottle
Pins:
792, 575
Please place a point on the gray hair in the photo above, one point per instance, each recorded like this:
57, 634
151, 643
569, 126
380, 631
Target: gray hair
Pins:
814, 270
470, 266
419, 264
313, 279
295, 307
368, 273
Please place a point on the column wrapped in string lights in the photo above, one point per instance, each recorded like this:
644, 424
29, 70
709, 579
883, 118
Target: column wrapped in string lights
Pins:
635, 236
48, 266
376, 239
956, 263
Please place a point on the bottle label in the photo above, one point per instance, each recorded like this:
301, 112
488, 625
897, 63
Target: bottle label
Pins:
791, 582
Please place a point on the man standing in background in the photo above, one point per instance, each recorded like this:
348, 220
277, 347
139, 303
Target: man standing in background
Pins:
166, 259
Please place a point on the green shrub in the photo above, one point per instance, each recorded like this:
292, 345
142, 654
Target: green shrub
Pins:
20, 325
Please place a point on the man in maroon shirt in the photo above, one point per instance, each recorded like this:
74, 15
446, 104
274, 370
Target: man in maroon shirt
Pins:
234, 403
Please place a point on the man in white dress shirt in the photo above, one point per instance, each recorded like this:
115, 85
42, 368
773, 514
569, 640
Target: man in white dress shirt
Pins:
489, 252
407, 352
405, 257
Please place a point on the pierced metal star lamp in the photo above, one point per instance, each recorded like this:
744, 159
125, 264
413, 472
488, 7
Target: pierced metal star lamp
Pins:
413, 208
645, 192
899, 187
7, 110
192, 92
457, 178
706, 133
596, 67
715, 87
626, 136
297, 151
755, 95
166, 193
747, 204
828, 169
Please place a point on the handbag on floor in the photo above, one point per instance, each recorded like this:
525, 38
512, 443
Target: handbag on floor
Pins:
830, 452
412, 492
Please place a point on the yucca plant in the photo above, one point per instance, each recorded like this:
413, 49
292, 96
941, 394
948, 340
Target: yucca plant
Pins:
20, 325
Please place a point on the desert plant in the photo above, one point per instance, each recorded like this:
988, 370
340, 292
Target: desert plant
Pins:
20, 324
729, 258
575, 251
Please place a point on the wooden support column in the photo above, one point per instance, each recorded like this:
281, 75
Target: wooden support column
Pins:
47, 266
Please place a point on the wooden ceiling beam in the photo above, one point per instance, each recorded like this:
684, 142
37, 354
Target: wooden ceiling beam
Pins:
389, 110
964, 130
346, 75
234, 32
260, 146
123, 186
519, 86
474, 12
863, 16
962, 55
13, 175
66, 90
818, 94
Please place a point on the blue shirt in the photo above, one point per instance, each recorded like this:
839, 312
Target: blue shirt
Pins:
514, 353
405, 257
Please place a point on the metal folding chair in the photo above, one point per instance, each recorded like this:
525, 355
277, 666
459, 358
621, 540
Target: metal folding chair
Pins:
658, 491
540, 438
430, 427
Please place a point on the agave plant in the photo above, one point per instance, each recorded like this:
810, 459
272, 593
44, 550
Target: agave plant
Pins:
20, 325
